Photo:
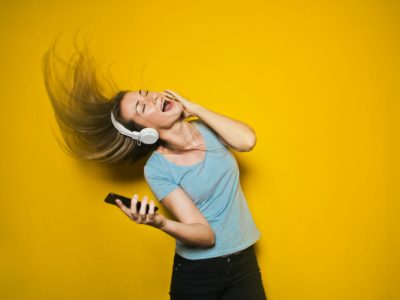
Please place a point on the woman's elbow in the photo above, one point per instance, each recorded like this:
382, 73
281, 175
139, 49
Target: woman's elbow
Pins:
209, 241
252, 142
249, 144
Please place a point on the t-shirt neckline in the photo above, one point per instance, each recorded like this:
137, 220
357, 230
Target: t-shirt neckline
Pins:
196, 164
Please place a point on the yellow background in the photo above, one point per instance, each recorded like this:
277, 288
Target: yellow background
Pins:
319, 82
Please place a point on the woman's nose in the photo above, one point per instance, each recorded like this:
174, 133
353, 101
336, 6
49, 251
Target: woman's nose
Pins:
152, 98
155, 98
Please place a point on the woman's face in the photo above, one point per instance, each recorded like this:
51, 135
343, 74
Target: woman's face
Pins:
150, 109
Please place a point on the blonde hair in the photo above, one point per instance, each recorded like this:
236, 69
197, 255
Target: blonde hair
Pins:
82, 110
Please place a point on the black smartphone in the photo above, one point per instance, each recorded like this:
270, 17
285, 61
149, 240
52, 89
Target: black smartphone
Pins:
111, 197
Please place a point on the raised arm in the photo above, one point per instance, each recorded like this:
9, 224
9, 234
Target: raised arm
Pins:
233, 133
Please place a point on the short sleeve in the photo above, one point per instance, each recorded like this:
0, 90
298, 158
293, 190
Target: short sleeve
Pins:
160, 183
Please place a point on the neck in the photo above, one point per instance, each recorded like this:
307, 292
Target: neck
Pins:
183, 135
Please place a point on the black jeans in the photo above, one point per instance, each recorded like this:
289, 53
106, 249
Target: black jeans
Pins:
224, 278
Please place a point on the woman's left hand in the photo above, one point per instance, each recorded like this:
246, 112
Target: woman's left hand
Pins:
189, 107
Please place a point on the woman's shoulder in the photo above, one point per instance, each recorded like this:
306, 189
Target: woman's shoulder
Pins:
157, 163
154, 160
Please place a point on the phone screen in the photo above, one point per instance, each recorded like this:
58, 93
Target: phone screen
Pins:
111, 197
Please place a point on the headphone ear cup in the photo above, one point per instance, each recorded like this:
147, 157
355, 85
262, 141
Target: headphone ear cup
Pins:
148, 135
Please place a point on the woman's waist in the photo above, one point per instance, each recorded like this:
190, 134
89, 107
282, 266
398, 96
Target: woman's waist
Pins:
235, 254
225, 245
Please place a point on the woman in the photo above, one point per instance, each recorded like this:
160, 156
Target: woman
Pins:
189, 168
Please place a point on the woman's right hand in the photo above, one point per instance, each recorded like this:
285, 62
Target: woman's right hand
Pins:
152, 218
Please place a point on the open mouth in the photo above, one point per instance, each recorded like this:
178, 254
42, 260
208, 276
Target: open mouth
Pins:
166, 105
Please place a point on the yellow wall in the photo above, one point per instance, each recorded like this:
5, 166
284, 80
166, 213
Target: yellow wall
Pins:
318, 80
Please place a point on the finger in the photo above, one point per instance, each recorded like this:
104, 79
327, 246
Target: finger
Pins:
121, 205
142, 211
169, 96
150, 215
123, 208
171, 93
133, 209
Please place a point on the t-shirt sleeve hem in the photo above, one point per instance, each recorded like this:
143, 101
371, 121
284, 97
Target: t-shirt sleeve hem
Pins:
166, 193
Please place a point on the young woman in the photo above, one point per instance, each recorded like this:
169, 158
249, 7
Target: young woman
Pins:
189, 168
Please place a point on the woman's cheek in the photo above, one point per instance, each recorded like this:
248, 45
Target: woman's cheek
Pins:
178, 107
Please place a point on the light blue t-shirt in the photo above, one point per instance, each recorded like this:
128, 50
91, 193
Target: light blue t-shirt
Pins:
214, 187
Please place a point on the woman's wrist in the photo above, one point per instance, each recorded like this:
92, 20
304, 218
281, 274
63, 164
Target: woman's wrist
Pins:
196, 110
163, 225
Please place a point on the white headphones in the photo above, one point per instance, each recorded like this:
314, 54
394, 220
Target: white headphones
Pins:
146, 135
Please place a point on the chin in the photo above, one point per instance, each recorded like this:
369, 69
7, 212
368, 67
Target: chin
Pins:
180, 115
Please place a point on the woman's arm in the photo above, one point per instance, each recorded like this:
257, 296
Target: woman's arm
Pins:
191, 228
233, 133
